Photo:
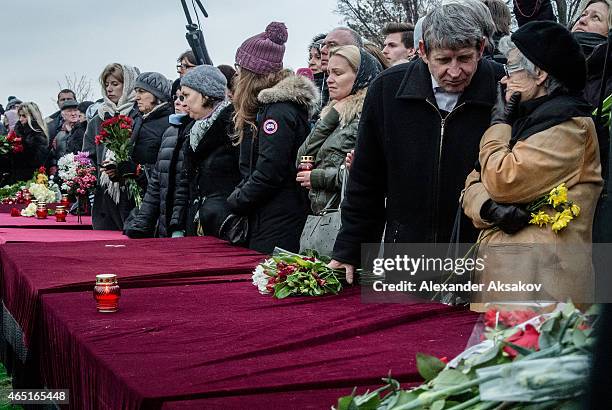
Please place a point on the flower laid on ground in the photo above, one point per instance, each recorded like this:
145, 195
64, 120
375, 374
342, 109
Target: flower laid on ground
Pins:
565, 209
542, 364
77, 173
288, 274
115, 135
30, 210
502, 319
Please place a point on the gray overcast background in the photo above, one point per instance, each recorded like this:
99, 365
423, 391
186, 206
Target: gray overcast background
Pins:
43, 40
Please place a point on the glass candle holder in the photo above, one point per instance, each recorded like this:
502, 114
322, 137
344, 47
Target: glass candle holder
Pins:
65, 202
60, 213
15, 212
41, 210
107, 293
306, 163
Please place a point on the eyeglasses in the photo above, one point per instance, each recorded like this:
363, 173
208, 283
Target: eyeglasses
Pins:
184, 66
510, 69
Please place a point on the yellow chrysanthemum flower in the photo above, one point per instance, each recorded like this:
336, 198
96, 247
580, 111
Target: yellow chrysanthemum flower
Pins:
540, 219
41, 179
558, 196
561, 220
575, 209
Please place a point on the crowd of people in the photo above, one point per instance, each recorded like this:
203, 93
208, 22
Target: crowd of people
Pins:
453, 113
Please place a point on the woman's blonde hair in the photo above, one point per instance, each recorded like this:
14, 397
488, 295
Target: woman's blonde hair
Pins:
114, 69
350, 53
248, 85
35, 118
587, 3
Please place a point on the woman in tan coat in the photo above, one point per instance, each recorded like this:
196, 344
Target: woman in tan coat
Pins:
541, 136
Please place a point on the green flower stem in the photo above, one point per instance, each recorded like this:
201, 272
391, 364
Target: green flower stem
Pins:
466, 404
473, 248
430, 397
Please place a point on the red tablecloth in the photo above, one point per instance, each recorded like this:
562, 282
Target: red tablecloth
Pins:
8, 221
225, 340
31, 269
6, 208
13, 235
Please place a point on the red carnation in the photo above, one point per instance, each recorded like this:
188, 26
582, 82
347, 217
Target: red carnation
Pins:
42, 170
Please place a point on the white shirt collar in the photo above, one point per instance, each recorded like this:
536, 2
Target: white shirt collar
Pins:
446, 101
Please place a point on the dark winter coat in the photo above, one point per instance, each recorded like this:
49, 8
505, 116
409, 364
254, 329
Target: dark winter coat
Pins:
407, 153
533, 10
69, 142
269, 195
595, 75
166, 195
212, 172
106, 214
146, 139
54, 124
35, 152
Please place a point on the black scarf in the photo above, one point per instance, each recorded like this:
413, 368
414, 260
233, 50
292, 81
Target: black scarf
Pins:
589, 41
546, 112
369, 68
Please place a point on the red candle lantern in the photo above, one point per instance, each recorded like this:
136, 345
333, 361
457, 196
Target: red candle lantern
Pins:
41, 210
60, 213
65, 202
15, 212
107, 293
306, 163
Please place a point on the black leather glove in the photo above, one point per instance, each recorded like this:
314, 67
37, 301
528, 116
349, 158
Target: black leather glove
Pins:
502, 112
127, 169
508, 218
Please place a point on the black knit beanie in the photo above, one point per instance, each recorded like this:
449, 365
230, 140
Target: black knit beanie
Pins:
551, 47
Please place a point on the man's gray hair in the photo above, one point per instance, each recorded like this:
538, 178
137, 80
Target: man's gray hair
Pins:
358, 41
506, 45
452, 26
481, 13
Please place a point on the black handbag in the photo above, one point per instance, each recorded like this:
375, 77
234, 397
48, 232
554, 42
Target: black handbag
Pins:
235, 228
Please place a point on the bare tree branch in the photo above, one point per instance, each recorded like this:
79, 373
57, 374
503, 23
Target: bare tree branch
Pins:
81, 85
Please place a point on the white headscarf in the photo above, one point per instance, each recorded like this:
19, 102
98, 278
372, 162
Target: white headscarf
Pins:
126, 101
123, 106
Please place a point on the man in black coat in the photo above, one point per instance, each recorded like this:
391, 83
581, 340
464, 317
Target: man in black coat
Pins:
55, 120
418, 140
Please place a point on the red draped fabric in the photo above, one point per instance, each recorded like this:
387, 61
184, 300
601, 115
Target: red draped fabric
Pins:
223, 342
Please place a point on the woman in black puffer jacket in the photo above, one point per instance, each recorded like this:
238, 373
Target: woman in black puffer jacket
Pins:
162, 208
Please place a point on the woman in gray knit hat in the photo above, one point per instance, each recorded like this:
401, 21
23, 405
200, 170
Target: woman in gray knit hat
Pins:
211, 160
154, 108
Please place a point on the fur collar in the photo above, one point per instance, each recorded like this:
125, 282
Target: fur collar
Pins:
352, 109
293, 88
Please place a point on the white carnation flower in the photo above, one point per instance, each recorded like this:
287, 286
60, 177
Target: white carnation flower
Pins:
260, 279
30, 210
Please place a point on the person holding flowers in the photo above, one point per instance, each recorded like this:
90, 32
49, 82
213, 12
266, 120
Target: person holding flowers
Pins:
538, 180
112, 204
32, 136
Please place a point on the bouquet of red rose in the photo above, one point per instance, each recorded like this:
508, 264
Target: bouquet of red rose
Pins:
10, 143
116, 136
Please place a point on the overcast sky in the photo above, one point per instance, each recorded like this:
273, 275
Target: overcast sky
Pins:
44, 40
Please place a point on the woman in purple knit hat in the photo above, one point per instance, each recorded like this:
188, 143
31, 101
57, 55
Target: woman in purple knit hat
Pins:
273, 107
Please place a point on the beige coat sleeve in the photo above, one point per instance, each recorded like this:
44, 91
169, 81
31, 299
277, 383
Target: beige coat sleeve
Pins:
473, 197
534, 166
